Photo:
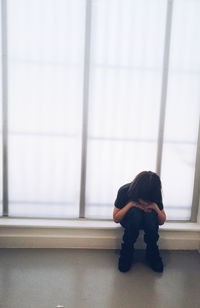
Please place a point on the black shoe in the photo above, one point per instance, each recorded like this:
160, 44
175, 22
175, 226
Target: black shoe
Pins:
125, 260
154, 260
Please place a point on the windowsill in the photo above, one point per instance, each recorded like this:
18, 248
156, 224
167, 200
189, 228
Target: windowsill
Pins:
87, 224
88, 234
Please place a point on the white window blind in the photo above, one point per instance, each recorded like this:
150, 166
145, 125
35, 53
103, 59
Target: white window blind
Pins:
126, 73
1, 127
183, 110
84, 98
45, 64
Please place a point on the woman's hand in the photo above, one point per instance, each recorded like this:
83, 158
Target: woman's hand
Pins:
139, 205
118, 214
148, 207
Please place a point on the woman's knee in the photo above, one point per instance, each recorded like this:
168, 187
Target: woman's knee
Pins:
135, 213
133, 218
151, 220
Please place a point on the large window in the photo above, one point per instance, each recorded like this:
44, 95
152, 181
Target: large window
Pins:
93, 92
183, 109
45, 81
1, 127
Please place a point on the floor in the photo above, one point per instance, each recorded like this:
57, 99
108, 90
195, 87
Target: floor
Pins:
45, 278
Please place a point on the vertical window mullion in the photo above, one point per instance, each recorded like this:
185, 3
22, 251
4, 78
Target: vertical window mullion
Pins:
5, 105
164, 84
88, 16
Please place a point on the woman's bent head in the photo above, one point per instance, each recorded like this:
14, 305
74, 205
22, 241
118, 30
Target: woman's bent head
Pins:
146, 186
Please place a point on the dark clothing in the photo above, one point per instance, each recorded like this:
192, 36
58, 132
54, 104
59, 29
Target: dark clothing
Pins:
136, 219
123, 198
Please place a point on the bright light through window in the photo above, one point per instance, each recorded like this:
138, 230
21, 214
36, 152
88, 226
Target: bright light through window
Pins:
84, 97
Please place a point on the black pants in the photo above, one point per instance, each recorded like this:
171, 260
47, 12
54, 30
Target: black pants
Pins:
136, 219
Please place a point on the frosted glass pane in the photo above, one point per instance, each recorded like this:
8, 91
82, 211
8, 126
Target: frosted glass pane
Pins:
1, 177
1, 120
125, 90
185, 43
178, 179
112, 163
45, 69
127, 32
183, 110
1, 165
124, 104
43, 180
46, 30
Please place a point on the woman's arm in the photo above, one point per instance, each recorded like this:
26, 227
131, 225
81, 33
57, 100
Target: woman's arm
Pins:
161, 213
118, 214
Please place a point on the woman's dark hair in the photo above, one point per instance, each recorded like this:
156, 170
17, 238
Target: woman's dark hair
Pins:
146, 186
